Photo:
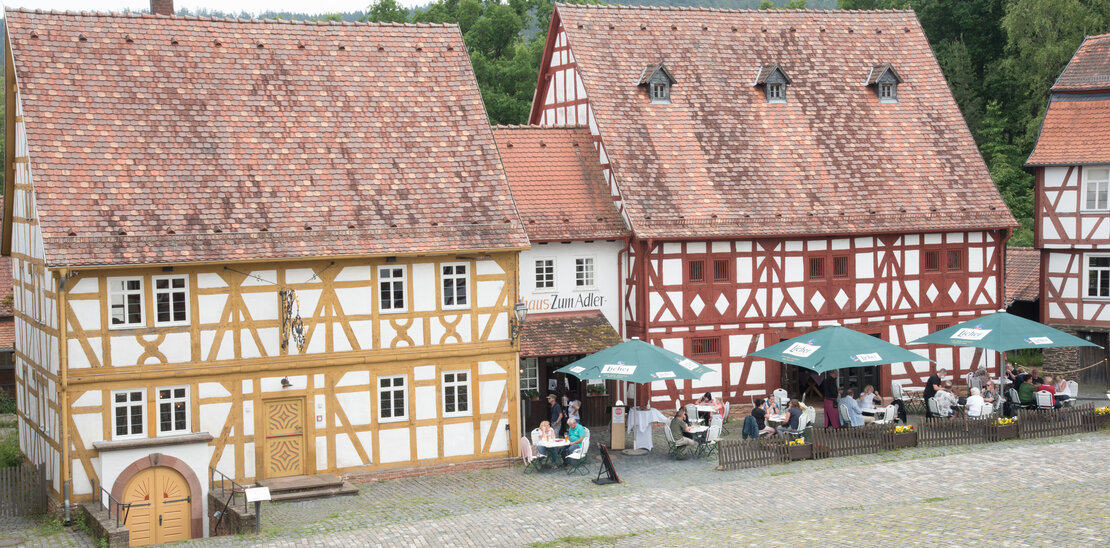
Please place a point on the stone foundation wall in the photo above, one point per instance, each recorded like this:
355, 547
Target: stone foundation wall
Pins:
234, 520
1067, 358
102, 527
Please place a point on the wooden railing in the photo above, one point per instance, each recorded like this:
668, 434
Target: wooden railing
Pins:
733, 454
842, 442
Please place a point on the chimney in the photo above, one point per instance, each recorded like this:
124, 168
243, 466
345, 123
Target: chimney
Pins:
161, 7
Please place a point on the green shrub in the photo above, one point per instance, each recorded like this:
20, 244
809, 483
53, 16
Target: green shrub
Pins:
7, 404
1028, 358
9, 451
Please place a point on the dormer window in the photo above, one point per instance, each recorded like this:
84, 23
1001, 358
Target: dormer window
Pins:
884, 80
774, 81
658, 81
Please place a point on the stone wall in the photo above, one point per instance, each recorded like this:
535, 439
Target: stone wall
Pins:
100, 526
234, 520
1067, 358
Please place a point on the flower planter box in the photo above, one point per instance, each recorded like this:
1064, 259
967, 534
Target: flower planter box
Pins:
1003, 432
905, 439
799, 452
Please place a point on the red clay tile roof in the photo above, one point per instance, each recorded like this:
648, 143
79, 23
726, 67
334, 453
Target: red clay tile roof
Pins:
1089, 68
563, 333
254, 139
557, 183
1076, 127
1023, 274
7, 333
5, 286
721, 161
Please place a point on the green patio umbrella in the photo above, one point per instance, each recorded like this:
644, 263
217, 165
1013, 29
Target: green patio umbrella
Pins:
635, 361
1002, 332
836, 347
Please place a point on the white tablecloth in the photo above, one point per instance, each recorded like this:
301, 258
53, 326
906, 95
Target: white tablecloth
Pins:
641, 420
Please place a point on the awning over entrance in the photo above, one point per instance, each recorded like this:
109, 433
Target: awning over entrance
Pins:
563, 333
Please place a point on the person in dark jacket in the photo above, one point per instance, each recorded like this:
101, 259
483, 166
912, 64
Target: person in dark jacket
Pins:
830, 392
931, 386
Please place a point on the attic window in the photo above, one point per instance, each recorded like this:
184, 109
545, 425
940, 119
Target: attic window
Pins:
884, 79
774, 81
658, 80
776, 93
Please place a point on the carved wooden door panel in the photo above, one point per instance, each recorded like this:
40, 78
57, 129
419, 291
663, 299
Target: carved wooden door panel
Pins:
284, 453
160, 510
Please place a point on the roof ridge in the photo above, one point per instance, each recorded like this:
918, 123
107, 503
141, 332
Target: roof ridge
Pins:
723, 10
144, 15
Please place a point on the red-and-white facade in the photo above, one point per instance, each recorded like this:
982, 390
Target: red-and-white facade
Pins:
717, 274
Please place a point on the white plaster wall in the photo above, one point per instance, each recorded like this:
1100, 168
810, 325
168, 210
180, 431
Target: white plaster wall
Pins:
458, 439
195, 455
566, 296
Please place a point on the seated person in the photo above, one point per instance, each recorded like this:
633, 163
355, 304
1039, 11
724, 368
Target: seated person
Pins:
1010, 375
792, 413
947, 403
770, 406
680, 431
855, 417
1061, 385
989, 395
706, 399
868, 399
575, 434
761, 419
974, 405
541, 434
1026, 391
1037, 377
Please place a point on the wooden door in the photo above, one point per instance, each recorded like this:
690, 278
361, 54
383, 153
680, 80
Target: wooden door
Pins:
160, 510
284, 452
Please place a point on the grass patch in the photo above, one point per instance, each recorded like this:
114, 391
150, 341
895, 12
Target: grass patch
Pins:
48, 525
774, 474
934, 499
9, 451
579, 541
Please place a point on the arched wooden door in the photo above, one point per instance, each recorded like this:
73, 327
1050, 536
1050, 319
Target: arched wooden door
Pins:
160, 510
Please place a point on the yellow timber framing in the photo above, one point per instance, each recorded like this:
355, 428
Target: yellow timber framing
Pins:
241, 378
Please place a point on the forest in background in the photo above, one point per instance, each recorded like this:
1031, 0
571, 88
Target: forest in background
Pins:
1000, 57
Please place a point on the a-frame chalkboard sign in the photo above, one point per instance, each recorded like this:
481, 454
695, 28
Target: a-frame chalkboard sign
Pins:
606, 468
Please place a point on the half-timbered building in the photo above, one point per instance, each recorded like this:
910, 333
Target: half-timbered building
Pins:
1071, 162
260, 248
779, 171
570, 278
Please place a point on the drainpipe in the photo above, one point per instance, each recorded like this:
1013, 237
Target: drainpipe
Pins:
63, 386
645, 312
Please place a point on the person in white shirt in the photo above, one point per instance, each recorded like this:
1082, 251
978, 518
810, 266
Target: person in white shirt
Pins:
867, 401
974, 403
946, 400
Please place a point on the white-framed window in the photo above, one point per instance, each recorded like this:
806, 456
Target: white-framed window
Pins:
456, 285
1096, 187
128, 413
584, 272
887, 93
171, 300
529, 374
456, 393
1098, 276
125, 302
776, 93
660, 93
391, 288
173, 410
392, 398
545, 274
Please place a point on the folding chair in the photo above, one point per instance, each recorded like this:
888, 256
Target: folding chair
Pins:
896, 391
672, 449
803, 422
843, 409
578, 460
934, 408
1045, 400
988, 410
1015, 400
781, 397
1073, 391
692, 413
532, 461
711, 438
725, 417
890, 414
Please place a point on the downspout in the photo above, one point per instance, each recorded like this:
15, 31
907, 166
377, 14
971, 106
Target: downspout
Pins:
63, 386
621, 284
646, 311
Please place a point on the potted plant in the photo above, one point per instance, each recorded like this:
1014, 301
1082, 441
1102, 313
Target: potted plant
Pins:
904, 436
798, 449
1003, 428
1102, 417
532, 394
595, 389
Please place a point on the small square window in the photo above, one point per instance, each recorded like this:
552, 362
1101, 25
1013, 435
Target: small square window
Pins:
931, 261
125, 302
529, 374
128, 410
888, 93
391, 284
584, 272
173, 410
456, 281
841, 266
696, 271
817, 268
545, 274
705, 346
776, 93
955, 260
456, 393
171, 300
660, 93
391, 398
720, 270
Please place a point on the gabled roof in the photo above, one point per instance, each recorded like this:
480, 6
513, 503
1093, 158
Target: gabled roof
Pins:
720, 161
160, 139
1076, 125
876, 73
1023, 274
557, 183
653, 68
765, 72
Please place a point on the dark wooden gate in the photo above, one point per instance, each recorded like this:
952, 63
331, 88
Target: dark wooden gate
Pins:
1099, 375
22, 490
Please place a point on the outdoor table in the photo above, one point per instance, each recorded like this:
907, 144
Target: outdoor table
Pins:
775, 418
553, 444
641, 420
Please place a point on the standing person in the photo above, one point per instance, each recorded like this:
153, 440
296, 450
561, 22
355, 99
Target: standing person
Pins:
573, 405
557, 416
932, 384
829, 392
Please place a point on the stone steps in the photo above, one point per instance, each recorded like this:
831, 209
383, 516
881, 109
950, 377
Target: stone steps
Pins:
307, 487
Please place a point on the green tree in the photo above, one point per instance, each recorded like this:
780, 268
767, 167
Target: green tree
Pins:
387, 11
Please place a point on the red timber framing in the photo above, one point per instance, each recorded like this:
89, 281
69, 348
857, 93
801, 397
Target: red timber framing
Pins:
718, 301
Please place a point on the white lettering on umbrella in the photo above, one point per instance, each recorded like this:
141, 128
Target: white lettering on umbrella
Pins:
689, 364
577, 369
618, 369
802, 350
971, 334
872, 357
1038, 340
663, 375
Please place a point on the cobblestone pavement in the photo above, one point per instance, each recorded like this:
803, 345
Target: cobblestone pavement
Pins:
26, 531
1027, 493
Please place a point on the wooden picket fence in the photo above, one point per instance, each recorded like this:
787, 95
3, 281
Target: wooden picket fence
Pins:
22, 490
828, 442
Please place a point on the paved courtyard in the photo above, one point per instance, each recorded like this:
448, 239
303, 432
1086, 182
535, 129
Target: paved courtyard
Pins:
1021, 493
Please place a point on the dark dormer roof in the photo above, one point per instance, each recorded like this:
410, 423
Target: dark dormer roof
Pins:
766, 72
878, 71
651, 70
